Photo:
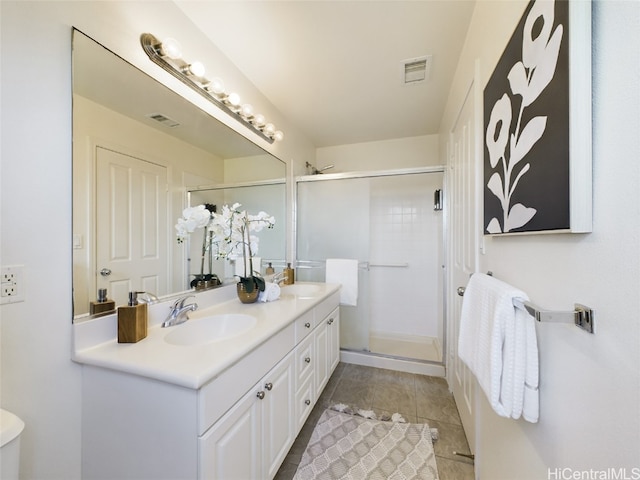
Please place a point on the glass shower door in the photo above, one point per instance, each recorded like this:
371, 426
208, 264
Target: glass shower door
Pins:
333, 222
388, 223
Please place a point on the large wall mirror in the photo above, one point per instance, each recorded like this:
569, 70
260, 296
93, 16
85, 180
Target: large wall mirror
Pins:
141, 154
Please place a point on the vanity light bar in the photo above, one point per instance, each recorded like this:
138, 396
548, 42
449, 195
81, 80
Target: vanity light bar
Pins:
167, 54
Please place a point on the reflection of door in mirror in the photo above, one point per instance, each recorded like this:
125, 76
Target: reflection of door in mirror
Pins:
131, 202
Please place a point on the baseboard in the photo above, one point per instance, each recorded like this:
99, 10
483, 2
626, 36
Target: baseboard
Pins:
401, 365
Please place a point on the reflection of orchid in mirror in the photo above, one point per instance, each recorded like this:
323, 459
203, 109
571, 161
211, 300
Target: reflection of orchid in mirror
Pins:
527, 78
192, 219
227, 234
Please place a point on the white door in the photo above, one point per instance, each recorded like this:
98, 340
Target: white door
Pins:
463, 203
131, 225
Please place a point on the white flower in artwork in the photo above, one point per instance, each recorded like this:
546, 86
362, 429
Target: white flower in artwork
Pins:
508, 144
498, 130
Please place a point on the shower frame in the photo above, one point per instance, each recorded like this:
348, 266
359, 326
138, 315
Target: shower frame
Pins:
371, 358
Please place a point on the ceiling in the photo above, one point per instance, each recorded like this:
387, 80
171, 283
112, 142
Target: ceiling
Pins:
334, 68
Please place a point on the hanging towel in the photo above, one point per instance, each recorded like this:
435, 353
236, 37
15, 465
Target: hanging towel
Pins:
345, 272
498, 343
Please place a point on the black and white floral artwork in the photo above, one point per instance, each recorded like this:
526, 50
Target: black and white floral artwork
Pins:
526, 119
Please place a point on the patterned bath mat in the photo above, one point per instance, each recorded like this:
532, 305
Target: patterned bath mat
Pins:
351, 447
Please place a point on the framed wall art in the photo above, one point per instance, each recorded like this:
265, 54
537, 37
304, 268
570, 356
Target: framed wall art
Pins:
537, 124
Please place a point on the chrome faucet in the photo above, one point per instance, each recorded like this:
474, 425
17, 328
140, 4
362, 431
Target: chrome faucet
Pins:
279, 277
179, 312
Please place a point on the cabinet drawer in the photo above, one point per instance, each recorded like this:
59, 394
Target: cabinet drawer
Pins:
305, 360
326, 307
305, 325
304, 402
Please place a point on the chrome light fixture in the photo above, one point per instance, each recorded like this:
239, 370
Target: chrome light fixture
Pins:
168, 55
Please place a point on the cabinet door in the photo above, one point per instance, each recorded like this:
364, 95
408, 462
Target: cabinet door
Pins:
304, 402
333, 333
321, 368
278, 419
231, 449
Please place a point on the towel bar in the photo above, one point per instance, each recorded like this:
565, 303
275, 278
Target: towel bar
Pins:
362, 265
582, 316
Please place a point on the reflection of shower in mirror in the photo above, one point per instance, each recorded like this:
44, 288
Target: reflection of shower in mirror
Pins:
311, 170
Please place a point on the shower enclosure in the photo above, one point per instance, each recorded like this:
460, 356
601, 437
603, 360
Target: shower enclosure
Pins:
387, 221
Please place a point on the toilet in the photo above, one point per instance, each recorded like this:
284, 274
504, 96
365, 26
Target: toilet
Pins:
10, 429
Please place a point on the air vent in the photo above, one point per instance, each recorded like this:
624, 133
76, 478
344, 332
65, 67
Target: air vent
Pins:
416, 70
163, 119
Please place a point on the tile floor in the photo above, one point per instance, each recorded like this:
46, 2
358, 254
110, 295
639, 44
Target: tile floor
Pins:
419, 398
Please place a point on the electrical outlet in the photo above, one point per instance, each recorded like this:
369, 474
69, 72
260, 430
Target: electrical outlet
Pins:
12, 284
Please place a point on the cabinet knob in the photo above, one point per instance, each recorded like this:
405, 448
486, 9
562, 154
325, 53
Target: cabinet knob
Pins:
330, 321
260, 395
307, 359
308, 325
268, 386
307, 402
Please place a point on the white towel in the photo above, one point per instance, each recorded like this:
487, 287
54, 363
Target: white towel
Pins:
498, 343
345, 272
271, 292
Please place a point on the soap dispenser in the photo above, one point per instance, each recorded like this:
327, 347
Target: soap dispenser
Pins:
289, 274
269, 270
132, 320
102, 304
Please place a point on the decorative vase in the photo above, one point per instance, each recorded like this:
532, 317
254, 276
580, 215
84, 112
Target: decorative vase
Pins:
246, 297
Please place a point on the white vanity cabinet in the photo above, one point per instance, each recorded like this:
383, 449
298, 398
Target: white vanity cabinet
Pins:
316, 358
252, 439
240, 424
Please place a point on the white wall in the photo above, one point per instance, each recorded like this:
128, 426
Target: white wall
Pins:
38, 380
383, 155
589, 384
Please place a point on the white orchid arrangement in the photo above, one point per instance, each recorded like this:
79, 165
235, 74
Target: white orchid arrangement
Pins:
228, 234
509, 143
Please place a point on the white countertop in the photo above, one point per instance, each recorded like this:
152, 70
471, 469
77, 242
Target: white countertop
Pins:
95, 340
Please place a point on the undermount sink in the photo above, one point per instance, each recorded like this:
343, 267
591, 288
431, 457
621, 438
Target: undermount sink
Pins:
210, 329
301, 290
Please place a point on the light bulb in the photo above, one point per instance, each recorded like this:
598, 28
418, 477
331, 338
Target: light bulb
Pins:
196, 69
278, 135
216, 86
269, 129
234, 99
246, 110
171, 48
258, 120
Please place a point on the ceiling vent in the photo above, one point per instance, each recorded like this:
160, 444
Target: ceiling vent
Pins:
416, 70
163, 119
